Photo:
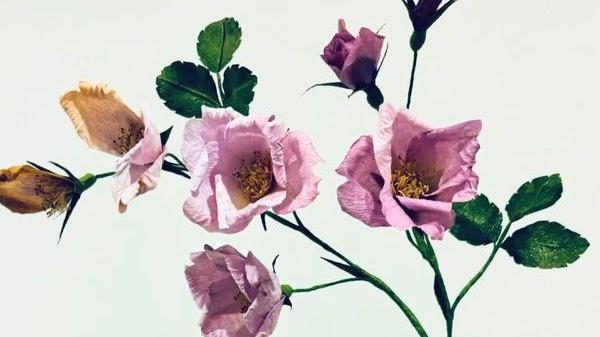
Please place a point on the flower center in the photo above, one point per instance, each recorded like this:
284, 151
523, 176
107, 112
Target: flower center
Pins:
128, 138
254, 176
243, 302
407, 181
55, 197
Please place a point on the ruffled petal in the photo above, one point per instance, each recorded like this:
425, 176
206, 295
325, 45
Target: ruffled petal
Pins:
363, 57
433, 217
101, 119
301, 181
394, 214
449, 155
139, 170
395, 131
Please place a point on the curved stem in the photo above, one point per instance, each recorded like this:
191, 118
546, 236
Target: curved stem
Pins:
412, 79
325, 285
364, 275
479, 274
104, 175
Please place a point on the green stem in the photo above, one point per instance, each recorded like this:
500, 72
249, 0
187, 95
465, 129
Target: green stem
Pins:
366, 276
477, 276
325, 285
220, 85
412, 79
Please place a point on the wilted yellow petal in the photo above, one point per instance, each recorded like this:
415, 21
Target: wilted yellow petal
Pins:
102, 119
24, 189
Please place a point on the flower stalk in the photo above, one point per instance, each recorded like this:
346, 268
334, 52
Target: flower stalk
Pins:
352, 268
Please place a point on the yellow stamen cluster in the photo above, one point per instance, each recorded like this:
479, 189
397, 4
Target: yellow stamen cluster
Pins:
407, 181
243, 302
54, 195
128, 138
254, 176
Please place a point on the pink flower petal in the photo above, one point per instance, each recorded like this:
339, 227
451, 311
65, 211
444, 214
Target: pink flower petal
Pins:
299, 158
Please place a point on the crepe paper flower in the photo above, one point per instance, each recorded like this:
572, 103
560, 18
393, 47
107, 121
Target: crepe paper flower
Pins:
408, 174
422, 15
25, 189
243, 166
32, 188
105, 123
354, 60
238, 296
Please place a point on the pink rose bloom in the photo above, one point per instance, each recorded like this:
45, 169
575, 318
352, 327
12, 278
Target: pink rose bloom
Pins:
354, 60
408, 174
238, 296
105, 123
244, 166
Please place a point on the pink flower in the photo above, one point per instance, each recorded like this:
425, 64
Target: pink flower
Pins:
238, 296
354, 59
408, 174
105, 123
244, 166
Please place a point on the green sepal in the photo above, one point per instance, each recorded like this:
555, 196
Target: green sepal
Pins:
165, 135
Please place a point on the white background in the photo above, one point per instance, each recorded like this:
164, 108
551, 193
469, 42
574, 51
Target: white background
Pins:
528, 69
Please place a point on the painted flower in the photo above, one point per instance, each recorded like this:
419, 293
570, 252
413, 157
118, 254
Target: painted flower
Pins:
105, 123
408, 174
238, 296
354, 60
25, 189
244, 166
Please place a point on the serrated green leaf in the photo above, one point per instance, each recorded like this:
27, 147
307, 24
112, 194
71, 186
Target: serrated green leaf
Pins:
186, 87
545, 245
478, 221
217, 43
535, 195
238, 87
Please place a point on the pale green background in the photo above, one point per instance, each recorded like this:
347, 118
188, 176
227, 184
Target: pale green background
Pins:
528, 69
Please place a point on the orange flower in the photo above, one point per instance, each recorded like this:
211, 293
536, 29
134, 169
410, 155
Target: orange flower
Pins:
25, 189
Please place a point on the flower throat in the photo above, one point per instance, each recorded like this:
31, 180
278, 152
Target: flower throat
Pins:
254, 176
407, 181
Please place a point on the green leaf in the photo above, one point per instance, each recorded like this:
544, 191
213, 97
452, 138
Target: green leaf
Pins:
545, 245
217, 43
238, 87
478, 221
533, 196
186, 87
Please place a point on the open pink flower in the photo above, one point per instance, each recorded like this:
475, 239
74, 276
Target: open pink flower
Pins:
238, 296
244, 166
105, 123
354, 59
408, 174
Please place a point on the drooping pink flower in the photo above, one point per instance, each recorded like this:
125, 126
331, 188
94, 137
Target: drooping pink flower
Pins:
354, 60
105, 123
238, 296
408, 174
244, 166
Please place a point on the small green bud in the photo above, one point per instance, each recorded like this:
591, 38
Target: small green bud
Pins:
87, 181
287, 290
417, 39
